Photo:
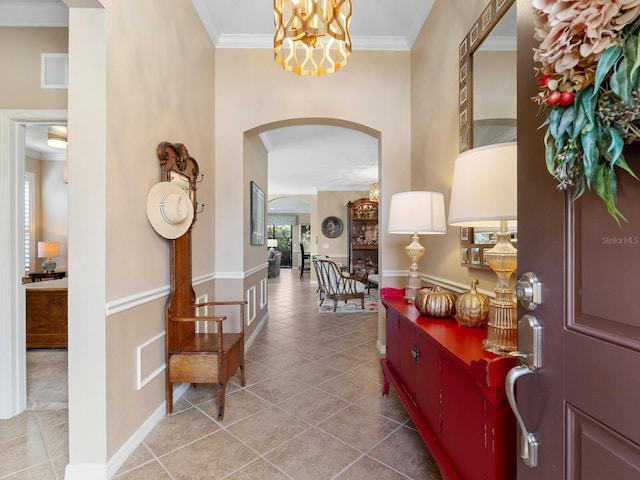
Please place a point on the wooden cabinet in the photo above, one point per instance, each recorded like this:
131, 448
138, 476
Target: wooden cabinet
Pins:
453, 391
46, 317
363, 238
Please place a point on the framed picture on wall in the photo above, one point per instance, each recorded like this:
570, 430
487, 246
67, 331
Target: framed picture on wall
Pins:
256, 222
332, 227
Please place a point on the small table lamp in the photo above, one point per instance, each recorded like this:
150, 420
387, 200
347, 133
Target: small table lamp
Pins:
484, 194
48, 250
416, 213
272, 243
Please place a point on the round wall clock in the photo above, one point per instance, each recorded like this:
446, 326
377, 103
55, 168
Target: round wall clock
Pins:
332, 227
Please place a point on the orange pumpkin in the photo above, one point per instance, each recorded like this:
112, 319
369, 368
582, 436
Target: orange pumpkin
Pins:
472, 308
435, 302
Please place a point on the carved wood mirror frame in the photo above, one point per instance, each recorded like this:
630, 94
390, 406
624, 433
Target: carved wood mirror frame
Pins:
472, 249
490, 16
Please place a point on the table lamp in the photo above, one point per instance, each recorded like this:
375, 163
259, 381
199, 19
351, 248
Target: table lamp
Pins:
48, 250
272, 243
416, 213
484, 194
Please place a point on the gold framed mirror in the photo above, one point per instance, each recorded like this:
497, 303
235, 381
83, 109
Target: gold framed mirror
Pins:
487, 78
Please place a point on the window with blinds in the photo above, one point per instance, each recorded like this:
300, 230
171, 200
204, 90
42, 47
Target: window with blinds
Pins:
29, 179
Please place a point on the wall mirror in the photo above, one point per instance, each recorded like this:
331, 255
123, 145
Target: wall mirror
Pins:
488, 96
487, 77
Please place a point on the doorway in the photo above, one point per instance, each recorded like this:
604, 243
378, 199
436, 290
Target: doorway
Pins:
13, 378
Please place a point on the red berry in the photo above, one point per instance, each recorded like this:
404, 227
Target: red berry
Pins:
553, 98
544, 80
566, 98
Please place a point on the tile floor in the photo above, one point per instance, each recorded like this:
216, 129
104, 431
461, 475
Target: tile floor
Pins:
311, 409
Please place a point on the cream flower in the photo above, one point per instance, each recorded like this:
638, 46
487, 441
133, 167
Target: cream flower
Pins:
575, 33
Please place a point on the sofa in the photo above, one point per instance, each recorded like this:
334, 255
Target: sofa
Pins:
274, 258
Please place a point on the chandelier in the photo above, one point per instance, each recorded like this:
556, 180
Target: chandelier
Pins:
312, 36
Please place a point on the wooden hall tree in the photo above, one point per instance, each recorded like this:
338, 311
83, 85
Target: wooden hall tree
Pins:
193, 356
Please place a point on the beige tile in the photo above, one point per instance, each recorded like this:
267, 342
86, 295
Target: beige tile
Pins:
60, 464
238, 405
140, 456
368, 352
405, 452
56, 439
283, 361
314, 455
258, 470
51, 418
268, 429
313, 405
149, 471
42, 471
342, 361
278, 389
313, 373
350, 387
358, 427
388, 406
179, 429
368, 468
214, 456
371, 371
18, 426
254, 373
21, 453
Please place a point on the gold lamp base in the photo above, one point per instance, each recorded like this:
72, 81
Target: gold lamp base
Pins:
502, 328
414, 251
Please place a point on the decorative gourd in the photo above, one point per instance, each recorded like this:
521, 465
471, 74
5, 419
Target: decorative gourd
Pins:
472, 308
435, 302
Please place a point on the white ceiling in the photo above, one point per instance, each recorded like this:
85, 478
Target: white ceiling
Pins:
302, 159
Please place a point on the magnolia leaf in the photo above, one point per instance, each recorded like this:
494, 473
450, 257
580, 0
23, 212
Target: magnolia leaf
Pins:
549, 152
566, 121
636, 64
554, 121
622, 163
580, 121
606, 186
607, 60
588, 103
615, 147
620, 83
590, 154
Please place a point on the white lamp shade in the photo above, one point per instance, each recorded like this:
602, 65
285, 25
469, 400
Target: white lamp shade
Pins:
417, 212
484, 189
48, 249
272, 243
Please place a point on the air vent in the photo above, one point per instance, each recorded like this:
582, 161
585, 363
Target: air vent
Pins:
54, 70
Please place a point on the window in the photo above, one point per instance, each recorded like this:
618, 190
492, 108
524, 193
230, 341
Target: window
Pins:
29, 180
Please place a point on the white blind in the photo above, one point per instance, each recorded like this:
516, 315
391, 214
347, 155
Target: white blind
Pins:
28, 219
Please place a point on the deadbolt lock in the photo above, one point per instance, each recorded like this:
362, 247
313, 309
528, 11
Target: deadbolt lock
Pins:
529, 291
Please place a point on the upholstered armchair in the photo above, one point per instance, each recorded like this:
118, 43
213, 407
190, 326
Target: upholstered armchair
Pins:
336, 285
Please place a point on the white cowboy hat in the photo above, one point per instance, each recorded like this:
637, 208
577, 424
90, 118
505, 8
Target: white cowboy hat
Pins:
169, 210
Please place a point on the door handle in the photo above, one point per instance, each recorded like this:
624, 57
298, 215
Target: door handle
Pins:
530, 355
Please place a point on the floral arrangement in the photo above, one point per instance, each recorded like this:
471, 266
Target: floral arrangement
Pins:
589, 75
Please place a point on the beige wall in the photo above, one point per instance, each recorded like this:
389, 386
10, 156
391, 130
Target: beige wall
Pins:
141, 73
53, 211
20, 50
159, 88
253, 93
434, 128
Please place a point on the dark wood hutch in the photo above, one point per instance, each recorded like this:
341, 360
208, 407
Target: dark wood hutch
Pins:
363, 238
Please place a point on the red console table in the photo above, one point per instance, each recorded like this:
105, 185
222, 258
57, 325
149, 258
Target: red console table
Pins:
453, 391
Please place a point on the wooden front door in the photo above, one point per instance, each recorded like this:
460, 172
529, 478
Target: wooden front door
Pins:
583, 404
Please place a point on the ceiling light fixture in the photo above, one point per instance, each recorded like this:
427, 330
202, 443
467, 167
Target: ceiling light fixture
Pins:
57, 137
312, 36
